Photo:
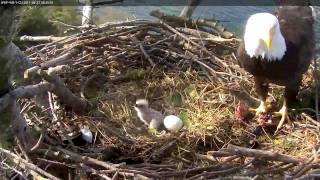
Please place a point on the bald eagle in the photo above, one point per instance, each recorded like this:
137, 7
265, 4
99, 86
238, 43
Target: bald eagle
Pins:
278, 48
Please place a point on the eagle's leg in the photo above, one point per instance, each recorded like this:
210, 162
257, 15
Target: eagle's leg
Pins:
290, 95
261, 88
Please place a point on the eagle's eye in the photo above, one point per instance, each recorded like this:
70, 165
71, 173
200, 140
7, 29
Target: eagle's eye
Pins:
139, 105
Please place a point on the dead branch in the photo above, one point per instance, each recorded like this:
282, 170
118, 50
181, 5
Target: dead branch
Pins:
94, 172
29, 91
204, 35
61, 60
196, 44
276, 170
272, 156
88, 160
315, 174
27, 165
135, 40
146, 55
77, 104
114, 133
56, 85
192, 22
222, 172
40, 38
309, 164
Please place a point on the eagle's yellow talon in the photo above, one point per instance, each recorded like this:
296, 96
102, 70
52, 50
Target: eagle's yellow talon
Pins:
284, 115
261, 109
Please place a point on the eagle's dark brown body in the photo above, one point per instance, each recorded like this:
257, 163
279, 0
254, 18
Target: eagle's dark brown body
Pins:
296, 25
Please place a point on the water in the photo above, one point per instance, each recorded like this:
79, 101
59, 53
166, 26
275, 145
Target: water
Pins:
233, 17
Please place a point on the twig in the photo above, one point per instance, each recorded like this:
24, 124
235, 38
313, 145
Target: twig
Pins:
88, 160
276, 170
205, 35
115, 176
134, 39
222, 172
218, 153
24, 92
200, 22
194, 43
206, 157
114, 133
308, 165
39, 140
40, 38
146, 55
315, 174
14, 169
61, 60
78, 105
317, 123
274, 156
93, 171
66, 25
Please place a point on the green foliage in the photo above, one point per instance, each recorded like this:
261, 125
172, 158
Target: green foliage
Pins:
191, 91
176, 99
35, 20
184, 117
135, 74
154, 132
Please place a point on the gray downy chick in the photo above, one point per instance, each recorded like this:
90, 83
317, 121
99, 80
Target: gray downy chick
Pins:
150, 117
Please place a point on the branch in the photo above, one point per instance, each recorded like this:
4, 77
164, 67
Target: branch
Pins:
24, 92
61, 60
196, 44
192, 22
205, 36
77, 104
87, 12
40, 38
274, 156
26, 165
88, 160
221, 173
55, 85
188, 10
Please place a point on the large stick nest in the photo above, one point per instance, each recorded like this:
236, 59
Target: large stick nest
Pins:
181, 71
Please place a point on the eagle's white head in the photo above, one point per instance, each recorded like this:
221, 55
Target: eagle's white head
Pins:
263, 38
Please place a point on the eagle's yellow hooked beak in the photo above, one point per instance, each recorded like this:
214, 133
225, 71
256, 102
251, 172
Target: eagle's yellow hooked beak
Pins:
269, 39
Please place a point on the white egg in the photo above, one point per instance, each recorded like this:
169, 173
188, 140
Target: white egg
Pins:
86, 134
172, 123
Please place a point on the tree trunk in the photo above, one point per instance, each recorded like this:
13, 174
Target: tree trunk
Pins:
12, 65
87, 12
189, 9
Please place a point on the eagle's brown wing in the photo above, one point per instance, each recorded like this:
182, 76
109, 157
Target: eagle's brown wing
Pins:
296, 24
